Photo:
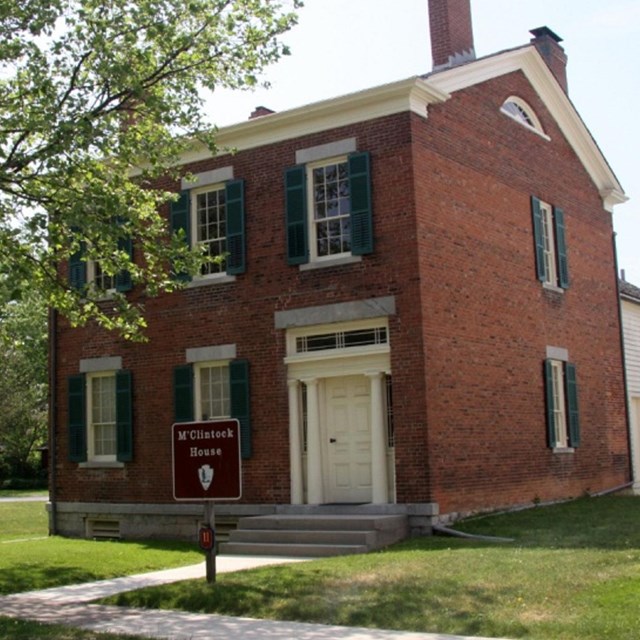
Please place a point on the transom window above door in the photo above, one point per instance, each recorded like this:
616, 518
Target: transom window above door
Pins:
341, 339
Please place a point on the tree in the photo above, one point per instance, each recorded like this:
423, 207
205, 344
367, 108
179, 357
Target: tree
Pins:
98, 99
23, 379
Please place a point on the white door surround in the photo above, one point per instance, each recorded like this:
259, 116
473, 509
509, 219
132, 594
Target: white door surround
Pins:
345, 388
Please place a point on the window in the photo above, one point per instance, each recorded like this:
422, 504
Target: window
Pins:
212, 397
101, 280
208, 212
563, 425
210, 390
522, 113
328, 209
101, 396
84, 272
341, 339
100, 425
212, 218
550, 244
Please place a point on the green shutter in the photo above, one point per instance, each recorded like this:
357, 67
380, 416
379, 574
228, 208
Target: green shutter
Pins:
536, 212
561, 247
180, 217
123, 279
234, 202
361, 214
78, 269
296, 215
183, 393
572, 404
77, 418
124, 416
548, 382
239, 385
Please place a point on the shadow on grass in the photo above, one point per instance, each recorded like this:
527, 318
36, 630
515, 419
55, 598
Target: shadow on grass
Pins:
315, 596
27, 577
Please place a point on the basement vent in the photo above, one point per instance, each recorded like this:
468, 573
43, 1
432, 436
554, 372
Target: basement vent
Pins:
103, 529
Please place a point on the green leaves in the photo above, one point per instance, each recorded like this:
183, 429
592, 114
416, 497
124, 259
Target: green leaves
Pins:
99, 98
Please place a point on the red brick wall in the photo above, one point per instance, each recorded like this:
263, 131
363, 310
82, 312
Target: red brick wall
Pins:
243, 313
488, 320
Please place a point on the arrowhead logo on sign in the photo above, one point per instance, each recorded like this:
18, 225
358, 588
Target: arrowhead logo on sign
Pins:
205, 473
206, 460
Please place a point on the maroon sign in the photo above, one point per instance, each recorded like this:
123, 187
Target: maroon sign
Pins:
206, 460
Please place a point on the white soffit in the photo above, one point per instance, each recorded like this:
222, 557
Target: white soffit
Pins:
411, 94
528, 60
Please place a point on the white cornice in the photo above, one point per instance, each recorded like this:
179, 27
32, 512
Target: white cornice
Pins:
411, 94
416, 94
528, 60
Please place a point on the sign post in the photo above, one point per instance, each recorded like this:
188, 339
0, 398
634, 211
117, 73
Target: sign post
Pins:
206, 468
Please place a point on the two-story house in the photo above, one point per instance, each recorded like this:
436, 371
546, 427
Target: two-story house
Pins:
417, 312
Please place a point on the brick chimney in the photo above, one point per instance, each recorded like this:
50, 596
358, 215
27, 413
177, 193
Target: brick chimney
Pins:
548, 45
451, 33
258, 112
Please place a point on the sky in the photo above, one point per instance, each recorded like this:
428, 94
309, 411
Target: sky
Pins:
341, 46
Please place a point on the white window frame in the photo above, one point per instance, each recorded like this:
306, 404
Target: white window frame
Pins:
560, 422
197, 395
549, 241
195, 242
311, 211
91, 432
93, 275
523, 114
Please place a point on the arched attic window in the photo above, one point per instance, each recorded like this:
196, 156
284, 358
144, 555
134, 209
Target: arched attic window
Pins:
521, 112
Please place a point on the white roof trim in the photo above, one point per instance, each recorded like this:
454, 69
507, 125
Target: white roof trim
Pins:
416, 94
556, 100
411, 94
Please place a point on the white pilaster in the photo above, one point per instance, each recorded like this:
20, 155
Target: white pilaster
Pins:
295, 443
314, 458
379, 476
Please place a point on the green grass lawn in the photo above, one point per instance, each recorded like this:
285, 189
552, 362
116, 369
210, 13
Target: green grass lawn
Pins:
573, 572
30, 559
11, 629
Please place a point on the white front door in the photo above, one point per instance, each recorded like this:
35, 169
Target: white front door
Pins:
347, 433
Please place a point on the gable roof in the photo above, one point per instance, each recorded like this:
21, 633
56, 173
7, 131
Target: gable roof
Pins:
629, 291
528, 60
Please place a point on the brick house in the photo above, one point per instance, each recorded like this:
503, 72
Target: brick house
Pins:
417, 314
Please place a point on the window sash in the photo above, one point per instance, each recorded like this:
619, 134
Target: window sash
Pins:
210, 225
559, 405
213, 395
549, 240
101, 414
329, 208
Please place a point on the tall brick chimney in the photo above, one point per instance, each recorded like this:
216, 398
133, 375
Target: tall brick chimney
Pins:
548, 45
451, 33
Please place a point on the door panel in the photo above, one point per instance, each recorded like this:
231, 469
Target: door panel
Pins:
348, 436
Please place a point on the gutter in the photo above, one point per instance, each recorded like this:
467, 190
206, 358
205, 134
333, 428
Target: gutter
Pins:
53, 410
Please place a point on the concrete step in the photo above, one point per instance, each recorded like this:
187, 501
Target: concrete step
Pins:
295, 550
324, 522
304, 536
314, 535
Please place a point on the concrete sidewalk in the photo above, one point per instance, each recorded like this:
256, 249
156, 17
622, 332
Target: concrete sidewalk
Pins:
68, 606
